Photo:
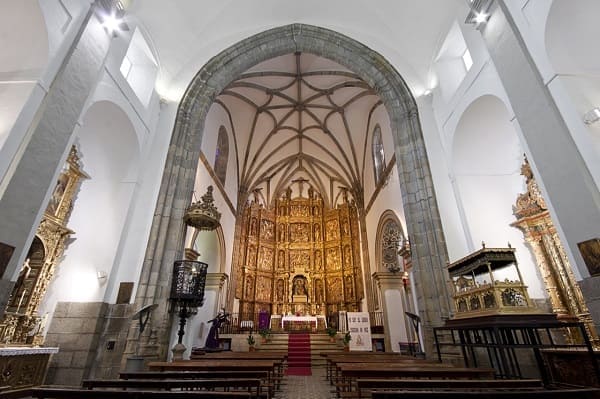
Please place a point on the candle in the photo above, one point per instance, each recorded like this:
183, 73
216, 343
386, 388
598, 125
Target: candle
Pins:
21, 300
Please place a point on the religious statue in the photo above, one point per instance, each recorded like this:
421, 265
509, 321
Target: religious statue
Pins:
318, 291
212, 340
318, 261
57, 195
349, 290
299, 286
24, 273
281, 232
249, 286
279, 291
345, 228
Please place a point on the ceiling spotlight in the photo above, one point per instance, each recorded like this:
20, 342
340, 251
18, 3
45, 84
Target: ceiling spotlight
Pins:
111, 23
111, 15
480, 18
479, 12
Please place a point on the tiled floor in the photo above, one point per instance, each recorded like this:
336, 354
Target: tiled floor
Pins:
306, 387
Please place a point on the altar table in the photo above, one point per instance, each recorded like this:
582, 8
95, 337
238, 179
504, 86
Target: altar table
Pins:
311, 320
24, 366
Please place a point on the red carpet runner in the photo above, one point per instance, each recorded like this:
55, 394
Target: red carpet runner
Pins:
299, 354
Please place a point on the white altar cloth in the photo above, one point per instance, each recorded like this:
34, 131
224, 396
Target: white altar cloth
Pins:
311, 319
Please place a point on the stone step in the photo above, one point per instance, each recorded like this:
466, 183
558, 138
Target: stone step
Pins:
319, 343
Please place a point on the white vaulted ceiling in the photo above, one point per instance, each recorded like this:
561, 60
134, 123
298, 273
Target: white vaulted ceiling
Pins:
300, 116
185, 34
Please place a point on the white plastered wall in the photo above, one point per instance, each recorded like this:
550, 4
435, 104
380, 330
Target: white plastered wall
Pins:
112, 214
475, 197
30, 59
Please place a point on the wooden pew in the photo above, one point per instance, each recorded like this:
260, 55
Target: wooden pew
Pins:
333, 360
272, 367
277, 356
183, 375
80, 393
252, 385
366, 386
581, 393
242, 355
216, 365
16, 393
350, 372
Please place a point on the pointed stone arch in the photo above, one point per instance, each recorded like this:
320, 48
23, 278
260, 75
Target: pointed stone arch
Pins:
421, 210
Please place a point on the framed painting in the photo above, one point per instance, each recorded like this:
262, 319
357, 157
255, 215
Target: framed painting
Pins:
6, 252
590, 251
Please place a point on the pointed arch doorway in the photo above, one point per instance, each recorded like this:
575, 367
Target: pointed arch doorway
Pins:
422, 215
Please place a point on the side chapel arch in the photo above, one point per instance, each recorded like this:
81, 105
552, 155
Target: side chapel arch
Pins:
421, 210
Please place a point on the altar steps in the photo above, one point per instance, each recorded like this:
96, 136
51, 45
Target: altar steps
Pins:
319, 343
299, 355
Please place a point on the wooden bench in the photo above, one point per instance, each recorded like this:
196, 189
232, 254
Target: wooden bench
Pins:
280, 357
241, 355
366, 386
581, 393
332, 361
80, 393
273, 368
350, 372
251, 385
17, 393
183, 375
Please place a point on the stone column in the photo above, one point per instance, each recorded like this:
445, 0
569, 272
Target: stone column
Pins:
394, 320
34, 174
429, 256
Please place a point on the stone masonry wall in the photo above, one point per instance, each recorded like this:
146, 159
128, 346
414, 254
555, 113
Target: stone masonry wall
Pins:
76, 330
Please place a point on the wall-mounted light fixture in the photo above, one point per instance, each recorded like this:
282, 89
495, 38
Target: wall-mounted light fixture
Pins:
592, 116
101, 274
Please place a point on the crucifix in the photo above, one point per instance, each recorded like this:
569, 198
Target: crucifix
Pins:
300, 182
344, 193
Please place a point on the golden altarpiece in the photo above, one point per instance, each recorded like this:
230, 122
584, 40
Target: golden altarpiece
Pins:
299, 257
533, 219
22, 324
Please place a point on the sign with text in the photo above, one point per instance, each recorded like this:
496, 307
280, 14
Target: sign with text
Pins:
359, 326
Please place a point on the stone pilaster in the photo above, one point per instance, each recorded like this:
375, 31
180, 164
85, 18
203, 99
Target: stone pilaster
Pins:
394, 321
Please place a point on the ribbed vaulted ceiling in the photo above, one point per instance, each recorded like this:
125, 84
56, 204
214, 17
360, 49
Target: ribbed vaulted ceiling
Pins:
300, 116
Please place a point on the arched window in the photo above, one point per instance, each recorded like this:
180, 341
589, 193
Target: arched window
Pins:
222, 155
378, 155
